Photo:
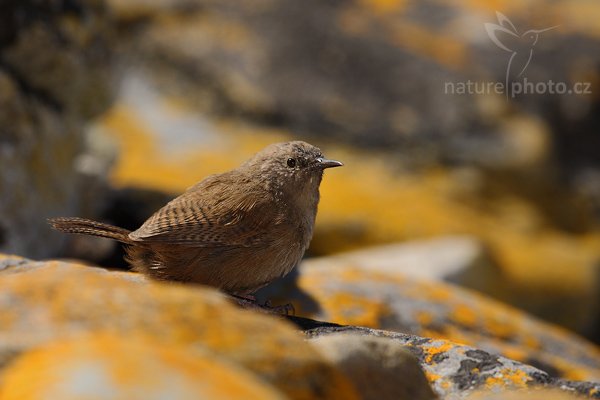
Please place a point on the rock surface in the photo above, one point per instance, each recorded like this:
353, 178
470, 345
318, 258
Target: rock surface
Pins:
527, 262
527, 395
520, 174
350, 295
377, 73
379, 368
108, 366
459, 259
456, 371
117, 331
56, 68
55, 74
41, 303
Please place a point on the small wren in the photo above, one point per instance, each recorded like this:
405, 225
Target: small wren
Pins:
236, 231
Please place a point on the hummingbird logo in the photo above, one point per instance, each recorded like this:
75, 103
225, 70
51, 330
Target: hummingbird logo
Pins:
506, 36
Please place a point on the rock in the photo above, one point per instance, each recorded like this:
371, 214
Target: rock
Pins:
526, 395
63, 322
526, 262
10, 262
73, 75
455, 370
344, 294
379, 368
379, 74
43, 302
126, 368
458, 259
232, 78
253, 60
55, 74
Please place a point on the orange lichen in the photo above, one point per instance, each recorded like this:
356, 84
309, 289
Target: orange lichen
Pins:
472, 319
437, 347
514, 352
127, 365
348, 309
369, 203
384, 6
424, 318
516, 377
431, 377
422, 41
429, 203
146, 164
51, 297
445, 384
464, 315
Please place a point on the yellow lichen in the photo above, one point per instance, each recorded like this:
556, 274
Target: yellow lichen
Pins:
127, 367
464, 315
384, 6
370, 205
440, 347
431, 377
52, 298
349, 309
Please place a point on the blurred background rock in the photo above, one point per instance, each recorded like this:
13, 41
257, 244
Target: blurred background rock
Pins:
200, 85
56, 72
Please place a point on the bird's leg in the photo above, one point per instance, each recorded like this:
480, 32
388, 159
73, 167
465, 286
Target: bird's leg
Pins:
247, 297
249, 301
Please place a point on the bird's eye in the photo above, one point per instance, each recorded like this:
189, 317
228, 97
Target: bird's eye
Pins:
291, 162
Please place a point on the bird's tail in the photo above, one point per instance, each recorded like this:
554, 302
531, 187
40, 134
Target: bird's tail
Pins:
88, 227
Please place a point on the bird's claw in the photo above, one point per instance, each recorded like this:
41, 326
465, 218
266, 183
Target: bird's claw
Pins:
250, 302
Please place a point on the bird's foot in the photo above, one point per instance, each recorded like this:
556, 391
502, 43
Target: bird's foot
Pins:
250, 302
285, 309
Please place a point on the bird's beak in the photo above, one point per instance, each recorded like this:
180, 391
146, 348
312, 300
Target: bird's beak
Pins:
547, 29
325, 163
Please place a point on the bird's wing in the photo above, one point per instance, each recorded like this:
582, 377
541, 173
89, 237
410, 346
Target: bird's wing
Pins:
502, 36
215, 213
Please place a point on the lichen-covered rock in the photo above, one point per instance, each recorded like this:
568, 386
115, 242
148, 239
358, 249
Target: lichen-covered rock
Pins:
533, 394
526, 262
373, 72
97, 322
455, 370
108, 366
377, 71
459, 259
379, 368
348, 295
45, 301
367, 202
55, 74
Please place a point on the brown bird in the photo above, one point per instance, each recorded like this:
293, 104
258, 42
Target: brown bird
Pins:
236, 231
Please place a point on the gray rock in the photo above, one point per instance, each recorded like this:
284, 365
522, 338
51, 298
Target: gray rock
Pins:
43, 301
12, 263
459, 259
456, 370
379, 368
55, 301
55, 74
376, 76
352, 295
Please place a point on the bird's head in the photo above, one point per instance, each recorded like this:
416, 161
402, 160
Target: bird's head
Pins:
292, 169
532, 36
